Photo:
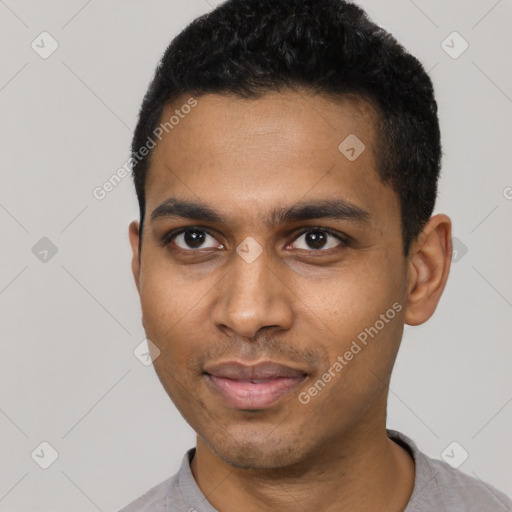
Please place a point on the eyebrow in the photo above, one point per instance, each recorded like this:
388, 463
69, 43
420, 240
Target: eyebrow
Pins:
336, 209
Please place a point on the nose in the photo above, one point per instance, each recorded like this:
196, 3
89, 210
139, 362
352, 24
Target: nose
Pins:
252, 296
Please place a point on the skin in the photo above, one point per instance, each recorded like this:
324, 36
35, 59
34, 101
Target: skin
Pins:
294, 304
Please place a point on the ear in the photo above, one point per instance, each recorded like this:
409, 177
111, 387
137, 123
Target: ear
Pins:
429, 263
134, 235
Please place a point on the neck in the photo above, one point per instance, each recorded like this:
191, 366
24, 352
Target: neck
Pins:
362, 470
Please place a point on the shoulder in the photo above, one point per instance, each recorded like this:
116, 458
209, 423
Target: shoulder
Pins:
471, 492
439, 487
457, 491
171, 495
155, 500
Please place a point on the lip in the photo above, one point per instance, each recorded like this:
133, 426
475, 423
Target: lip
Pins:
253, 386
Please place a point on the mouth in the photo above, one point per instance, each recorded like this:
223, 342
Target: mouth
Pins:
253, 387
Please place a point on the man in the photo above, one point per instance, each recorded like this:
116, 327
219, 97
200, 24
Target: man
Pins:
286, 162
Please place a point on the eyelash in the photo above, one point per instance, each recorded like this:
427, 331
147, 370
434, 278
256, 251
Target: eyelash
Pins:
344, 239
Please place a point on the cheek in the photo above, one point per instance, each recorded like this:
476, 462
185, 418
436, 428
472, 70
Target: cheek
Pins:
175, 315
166, 295
354, 299
162, 309
362, 313
361, 350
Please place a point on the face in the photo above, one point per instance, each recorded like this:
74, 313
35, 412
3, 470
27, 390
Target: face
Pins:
272, 277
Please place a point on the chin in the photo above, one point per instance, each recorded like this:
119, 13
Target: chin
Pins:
252, 456
257, 450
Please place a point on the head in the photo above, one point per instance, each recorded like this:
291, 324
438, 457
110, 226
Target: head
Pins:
286, 187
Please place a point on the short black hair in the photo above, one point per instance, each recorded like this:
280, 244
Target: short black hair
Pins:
251, 47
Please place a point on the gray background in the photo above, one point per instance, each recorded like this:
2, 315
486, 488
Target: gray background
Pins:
69, 324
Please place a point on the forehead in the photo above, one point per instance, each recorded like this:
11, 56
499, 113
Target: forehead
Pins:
251, 154
295, 121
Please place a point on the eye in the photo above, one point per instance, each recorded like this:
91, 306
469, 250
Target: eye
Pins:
312, 239
192, 238
319, 239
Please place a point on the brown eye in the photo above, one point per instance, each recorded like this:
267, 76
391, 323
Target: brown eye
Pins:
194, 239
318, 239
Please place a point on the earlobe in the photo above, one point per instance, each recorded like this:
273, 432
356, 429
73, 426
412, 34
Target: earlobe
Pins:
428, 268
133, 233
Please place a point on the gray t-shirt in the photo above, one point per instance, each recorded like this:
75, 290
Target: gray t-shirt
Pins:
437, 488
